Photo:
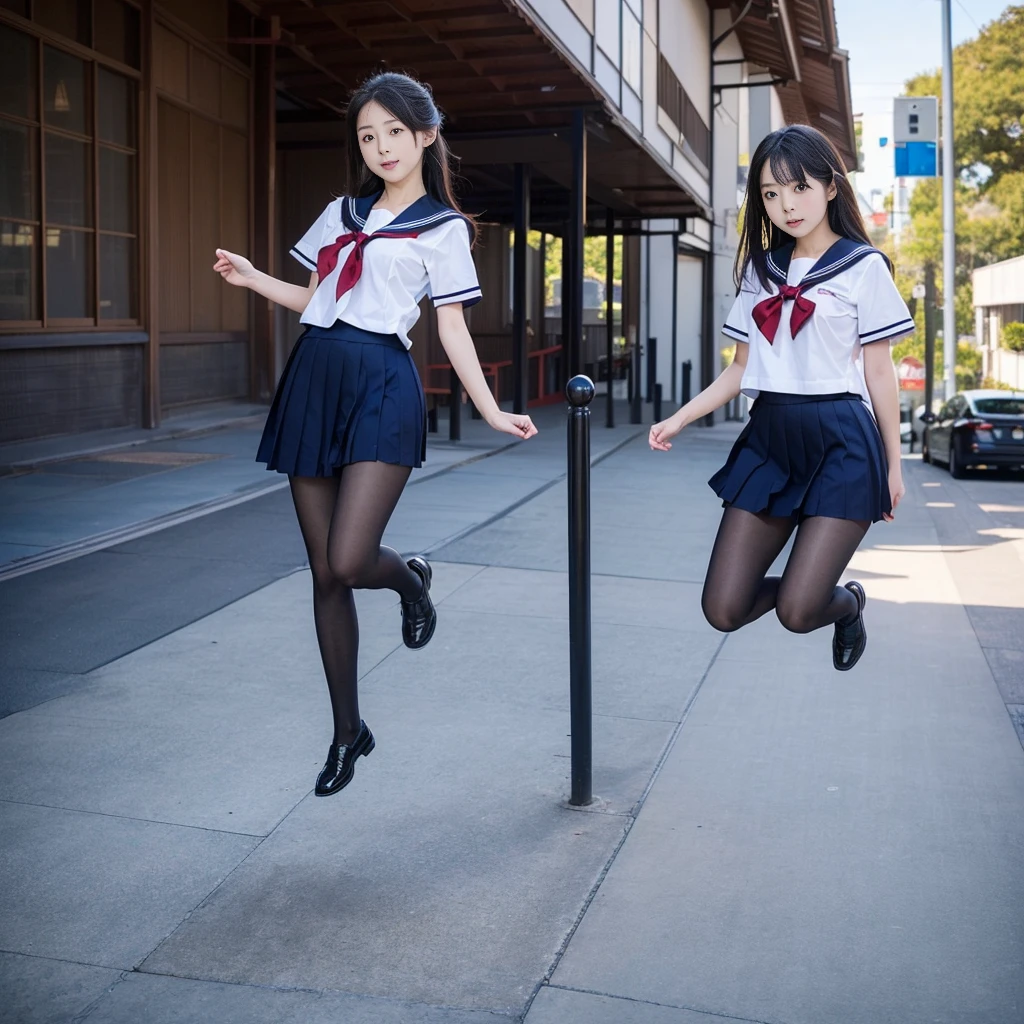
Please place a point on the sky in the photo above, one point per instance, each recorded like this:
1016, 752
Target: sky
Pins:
888, 42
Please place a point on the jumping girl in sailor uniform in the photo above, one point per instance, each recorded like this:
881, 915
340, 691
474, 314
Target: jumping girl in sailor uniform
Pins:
348, 421
820, 455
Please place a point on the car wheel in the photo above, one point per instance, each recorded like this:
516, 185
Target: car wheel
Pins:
956, 470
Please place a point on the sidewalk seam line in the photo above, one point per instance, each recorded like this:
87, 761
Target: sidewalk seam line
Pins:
536, 493
632, 816
322, 992
132, 817
667, 1006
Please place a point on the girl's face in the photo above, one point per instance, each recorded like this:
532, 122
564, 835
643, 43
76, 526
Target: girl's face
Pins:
391, 150
796, 207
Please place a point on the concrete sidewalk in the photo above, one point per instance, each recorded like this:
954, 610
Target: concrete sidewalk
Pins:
773, 841
63, 497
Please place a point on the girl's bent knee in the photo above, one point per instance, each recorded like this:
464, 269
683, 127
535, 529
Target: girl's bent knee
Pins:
725, 620
797, 619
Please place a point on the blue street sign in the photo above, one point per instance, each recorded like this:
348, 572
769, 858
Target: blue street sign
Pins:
883, 141
916, 159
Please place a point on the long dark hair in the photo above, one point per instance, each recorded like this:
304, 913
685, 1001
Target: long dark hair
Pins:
413, 104
795, 153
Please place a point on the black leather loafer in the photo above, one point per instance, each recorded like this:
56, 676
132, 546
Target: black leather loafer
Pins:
419, 617
850, 637
341, 762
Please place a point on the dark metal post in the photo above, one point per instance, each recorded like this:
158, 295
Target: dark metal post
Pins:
707, 338
657, 403
566, 300
929, 336
520, 360
609, 288
652, 367
577, 222
687, 381
455, 409
675, 311
580, 392
635, 396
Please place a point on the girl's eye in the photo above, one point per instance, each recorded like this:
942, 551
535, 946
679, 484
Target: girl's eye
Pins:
393, 130
769, 195
367, 138
802, 187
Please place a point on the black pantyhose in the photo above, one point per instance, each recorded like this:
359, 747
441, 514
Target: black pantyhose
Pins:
342, 522
806, 596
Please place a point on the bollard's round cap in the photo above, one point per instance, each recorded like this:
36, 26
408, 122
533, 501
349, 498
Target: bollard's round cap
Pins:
580, 390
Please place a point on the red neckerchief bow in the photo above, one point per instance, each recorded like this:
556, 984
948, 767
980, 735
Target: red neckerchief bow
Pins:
327, 257
768, 312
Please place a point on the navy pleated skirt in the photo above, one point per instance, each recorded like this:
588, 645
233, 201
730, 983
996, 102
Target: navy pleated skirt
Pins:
807, 455
346, 395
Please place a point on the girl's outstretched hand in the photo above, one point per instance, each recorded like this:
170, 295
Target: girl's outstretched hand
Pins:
511, 423
233, 268
662, 433
896, 492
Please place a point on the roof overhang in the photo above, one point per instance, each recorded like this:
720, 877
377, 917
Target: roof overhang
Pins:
796, 41
506, 90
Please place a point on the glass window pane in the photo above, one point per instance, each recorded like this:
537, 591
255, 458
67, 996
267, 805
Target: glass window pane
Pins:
19, 293
68, 17
117, 191
65, 93
18, 85
117, 278
117, 110
68, 273
18, 188
117, 31
68, 181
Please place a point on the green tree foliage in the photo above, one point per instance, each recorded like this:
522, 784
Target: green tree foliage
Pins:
988, 130
595, 258
988, 88
1013, 337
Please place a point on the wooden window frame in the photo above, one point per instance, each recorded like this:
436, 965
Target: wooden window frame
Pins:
44, 37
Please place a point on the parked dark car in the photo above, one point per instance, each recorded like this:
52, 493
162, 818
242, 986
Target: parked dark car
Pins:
976, 428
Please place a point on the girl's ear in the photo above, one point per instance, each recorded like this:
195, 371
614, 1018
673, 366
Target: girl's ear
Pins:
833, 189
429, 136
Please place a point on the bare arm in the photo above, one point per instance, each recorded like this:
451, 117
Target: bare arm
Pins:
880, 376
724, 389
458, 344
237, 270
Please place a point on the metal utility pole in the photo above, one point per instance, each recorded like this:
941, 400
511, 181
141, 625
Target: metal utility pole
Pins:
948, 226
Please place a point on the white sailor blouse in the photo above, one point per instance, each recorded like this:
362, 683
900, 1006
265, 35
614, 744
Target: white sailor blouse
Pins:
807, 329
375, 267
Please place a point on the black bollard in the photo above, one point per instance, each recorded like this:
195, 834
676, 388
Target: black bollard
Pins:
580, 392
455, 408
652, 367
657, 403
687, 374
635, 414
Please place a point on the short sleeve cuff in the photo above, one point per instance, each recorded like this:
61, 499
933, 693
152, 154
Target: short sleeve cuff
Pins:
735, 333
894, 330
309, 264
467, 296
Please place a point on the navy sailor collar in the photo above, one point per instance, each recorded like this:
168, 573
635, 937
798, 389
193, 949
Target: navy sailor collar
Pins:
842, 255
422, 215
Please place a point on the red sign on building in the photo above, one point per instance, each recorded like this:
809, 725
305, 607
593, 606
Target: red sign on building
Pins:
911, 373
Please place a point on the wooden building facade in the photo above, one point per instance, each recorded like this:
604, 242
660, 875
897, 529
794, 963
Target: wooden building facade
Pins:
136, 136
